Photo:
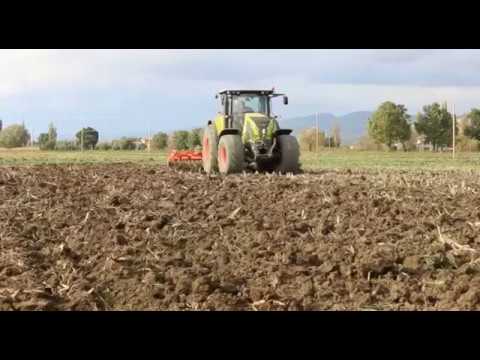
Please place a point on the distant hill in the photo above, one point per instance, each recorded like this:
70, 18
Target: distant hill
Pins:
352, 126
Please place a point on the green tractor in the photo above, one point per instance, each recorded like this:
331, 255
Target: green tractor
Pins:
246, 136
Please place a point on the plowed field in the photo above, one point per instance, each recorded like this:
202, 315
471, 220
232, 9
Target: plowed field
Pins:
124, 236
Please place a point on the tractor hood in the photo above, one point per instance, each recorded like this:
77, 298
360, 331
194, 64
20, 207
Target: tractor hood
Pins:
258, 127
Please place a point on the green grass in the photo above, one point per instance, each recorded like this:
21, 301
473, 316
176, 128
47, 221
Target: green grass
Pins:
36, 157
326, 159
354, 159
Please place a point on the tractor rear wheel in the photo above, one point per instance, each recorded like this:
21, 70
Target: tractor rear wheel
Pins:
289, 154
231, 154
209, 150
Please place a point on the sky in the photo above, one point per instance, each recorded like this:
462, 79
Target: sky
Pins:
133, 92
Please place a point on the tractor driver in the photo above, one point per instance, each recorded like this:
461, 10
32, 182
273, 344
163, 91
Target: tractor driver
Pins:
239, 109
239, 106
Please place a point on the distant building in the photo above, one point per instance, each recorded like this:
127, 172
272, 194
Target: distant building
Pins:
422, 145
142, 144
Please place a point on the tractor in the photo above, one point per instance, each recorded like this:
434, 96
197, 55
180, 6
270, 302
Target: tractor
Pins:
245, 135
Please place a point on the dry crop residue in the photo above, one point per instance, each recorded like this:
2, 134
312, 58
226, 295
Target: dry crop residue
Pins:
133, 237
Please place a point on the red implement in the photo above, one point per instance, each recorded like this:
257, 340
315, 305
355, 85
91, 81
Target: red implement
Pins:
185, 159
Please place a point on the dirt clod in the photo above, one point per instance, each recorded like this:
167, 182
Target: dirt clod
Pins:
412, 263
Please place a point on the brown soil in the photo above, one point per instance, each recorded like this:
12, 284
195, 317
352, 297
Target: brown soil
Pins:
132, 237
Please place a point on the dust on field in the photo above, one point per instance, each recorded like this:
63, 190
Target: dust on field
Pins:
139, 237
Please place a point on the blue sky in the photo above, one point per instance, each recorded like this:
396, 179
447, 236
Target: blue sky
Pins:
128, 92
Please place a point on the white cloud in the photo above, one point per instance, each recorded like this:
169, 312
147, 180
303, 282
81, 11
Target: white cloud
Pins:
179, 85
23, 71
343, 98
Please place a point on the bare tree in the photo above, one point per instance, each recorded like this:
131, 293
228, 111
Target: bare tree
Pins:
308, 139
336, 135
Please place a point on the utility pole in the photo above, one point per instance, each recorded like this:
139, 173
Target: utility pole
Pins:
453, 131
149, 136
81, 140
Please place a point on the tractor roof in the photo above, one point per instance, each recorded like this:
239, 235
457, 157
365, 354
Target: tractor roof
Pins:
238, 92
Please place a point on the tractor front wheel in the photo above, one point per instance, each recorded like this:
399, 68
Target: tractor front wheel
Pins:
231, 154
289, 154
209, 150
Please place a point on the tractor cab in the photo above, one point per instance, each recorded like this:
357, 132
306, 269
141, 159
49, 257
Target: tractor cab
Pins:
235, 104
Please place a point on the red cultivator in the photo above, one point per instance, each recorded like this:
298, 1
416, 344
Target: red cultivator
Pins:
185, 159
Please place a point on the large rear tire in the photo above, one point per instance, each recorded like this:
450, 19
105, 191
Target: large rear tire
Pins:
289, 154
210, 150
231, 154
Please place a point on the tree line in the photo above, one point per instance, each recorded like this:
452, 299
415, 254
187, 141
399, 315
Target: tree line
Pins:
390, 125
87, 138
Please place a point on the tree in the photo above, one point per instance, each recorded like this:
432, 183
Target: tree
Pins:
435, 123
90, 138
473, 129
159, 141
1, 124
308, 139
14, 136
336, 135
195, 138
48, 141
52, 134
389, 124
43, 142
329, 142
179, 140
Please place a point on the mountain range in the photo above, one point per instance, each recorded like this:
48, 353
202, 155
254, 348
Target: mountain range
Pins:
352, 125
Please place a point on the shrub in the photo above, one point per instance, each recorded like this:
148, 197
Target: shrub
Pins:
179, 140
125, 144
66, 145
308, 139
159, 141
195, 138
45, 143
104, 146
367, 143
464, 143
14, 136
140, 147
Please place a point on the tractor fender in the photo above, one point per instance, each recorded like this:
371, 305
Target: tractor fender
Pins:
228, 132
282, 132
